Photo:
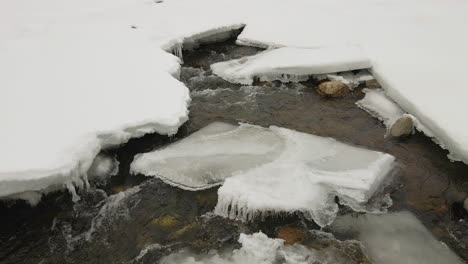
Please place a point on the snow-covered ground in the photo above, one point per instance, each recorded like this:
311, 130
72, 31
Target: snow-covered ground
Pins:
79, 75
270, 170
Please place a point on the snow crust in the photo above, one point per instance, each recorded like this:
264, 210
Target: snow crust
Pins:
291, 64
396, 238
260, 249
269, 170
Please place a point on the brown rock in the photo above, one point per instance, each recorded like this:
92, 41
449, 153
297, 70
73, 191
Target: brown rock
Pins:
372, 84
402, 127
291, 235
333, 89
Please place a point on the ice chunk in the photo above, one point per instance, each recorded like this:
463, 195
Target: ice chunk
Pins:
378, 105
291, 64
258, 248
269, 170
396, 238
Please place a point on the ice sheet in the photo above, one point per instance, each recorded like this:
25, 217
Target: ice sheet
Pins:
291, 64
269, 170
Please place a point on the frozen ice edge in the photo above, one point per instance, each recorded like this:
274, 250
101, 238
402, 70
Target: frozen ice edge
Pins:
377, 104
30, 186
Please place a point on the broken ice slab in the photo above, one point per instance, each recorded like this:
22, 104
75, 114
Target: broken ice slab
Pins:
378, 105
291, 64
269, 170
207, 157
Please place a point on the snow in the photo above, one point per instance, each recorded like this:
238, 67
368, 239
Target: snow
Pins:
291, 64
396, 238
260, 249
269, 170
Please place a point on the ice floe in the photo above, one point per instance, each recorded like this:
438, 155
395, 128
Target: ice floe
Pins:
291, 64
269, 170
396, 238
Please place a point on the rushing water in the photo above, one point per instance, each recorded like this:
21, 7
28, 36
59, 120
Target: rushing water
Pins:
133, 219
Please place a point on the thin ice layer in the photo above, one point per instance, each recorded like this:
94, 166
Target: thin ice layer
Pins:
291, 64
269, 170
396, 238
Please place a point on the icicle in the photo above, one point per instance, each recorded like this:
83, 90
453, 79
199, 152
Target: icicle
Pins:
177, 50
72, 190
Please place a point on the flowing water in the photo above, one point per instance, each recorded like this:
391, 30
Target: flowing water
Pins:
134, 219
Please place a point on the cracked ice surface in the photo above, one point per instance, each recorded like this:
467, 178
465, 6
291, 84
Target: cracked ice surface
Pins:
269, 170
291, 64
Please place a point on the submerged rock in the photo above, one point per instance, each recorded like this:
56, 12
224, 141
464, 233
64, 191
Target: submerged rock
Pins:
333, 89
291, 234
403, 127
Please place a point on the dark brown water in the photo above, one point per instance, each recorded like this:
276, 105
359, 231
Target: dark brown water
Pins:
116, 222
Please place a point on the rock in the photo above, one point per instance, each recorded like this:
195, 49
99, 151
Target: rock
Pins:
291, 235
372, 84
166, 221
465, 204
333, 89
402, 127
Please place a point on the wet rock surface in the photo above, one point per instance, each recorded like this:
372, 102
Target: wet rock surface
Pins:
134, 219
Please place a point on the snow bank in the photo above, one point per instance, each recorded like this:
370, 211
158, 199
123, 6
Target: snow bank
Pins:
396, 238
291, 64
258, 248
75, 81
269, 170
